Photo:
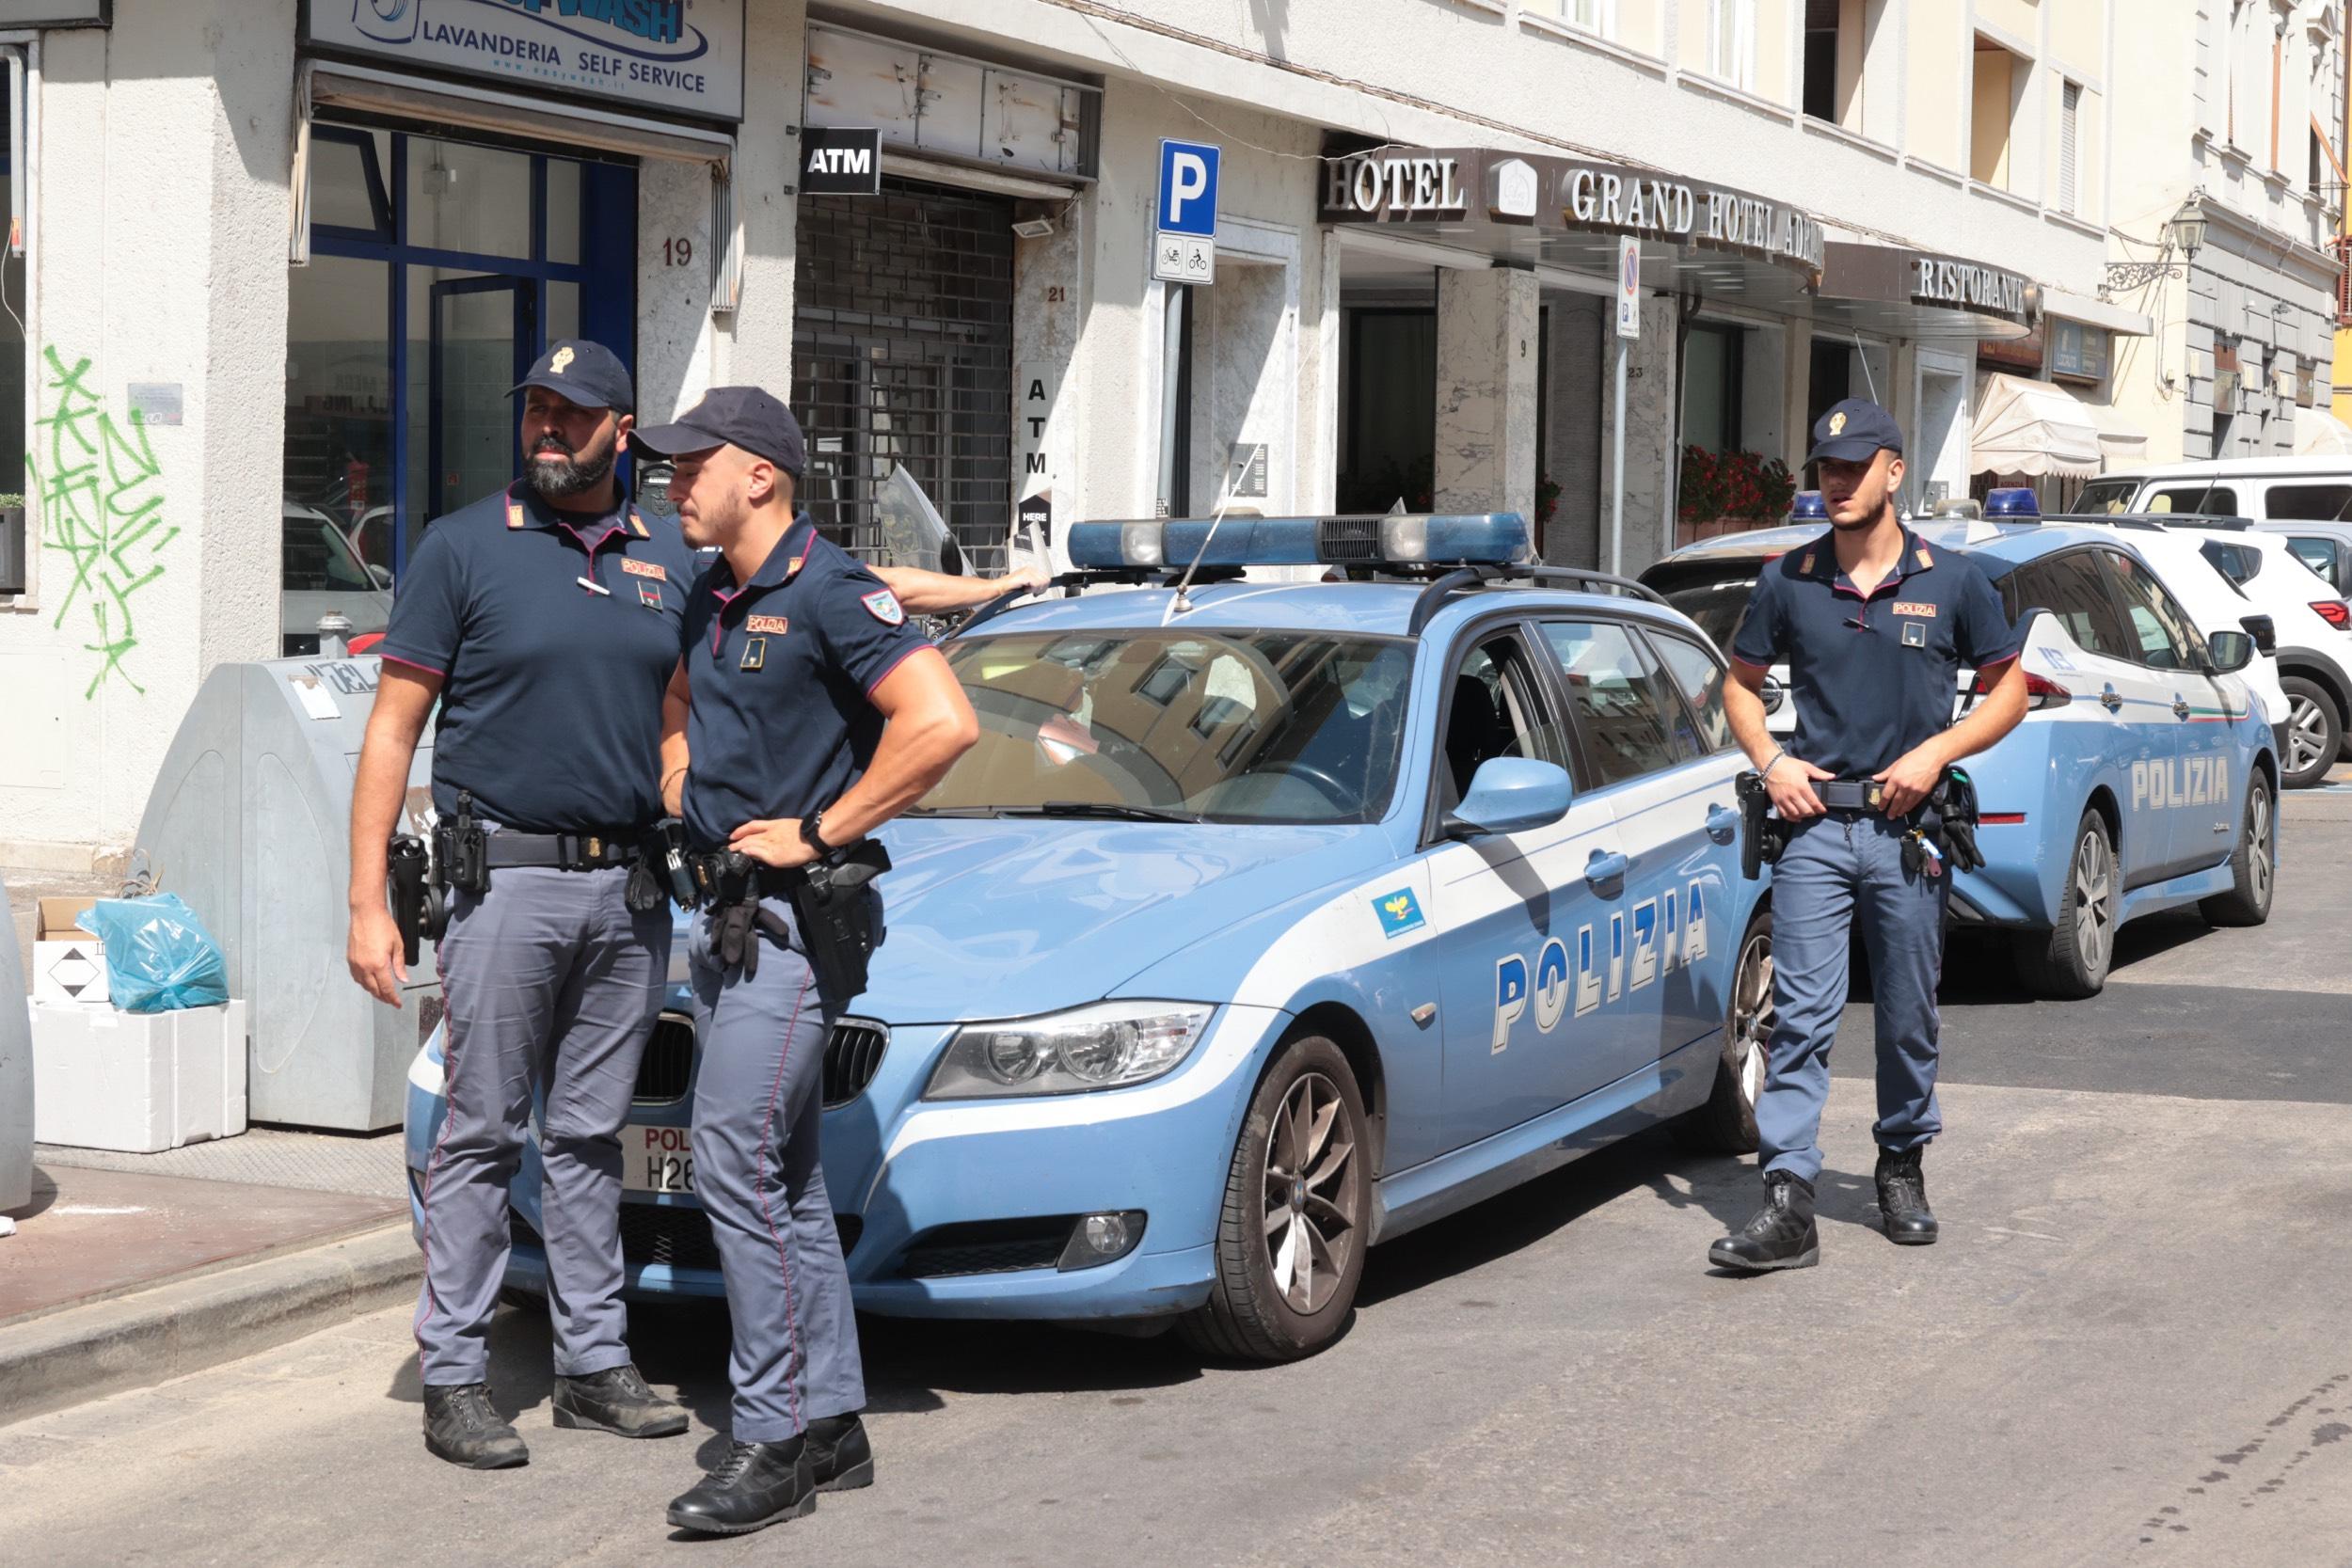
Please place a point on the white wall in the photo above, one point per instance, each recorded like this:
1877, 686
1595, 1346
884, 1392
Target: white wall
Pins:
159, 255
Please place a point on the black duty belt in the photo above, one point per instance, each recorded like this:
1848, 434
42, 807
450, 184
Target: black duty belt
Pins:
759, 880
563, 851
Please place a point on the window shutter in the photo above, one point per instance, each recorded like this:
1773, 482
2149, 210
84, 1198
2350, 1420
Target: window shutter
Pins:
2070, 117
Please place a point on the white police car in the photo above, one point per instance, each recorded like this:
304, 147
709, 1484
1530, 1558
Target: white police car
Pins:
1263, 924
2146, 775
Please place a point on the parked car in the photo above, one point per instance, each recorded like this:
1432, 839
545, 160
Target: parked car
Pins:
323, 575
2145, 776
1255, 933
2312, 624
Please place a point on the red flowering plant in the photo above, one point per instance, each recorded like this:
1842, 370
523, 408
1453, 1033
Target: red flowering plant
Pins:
1734, 486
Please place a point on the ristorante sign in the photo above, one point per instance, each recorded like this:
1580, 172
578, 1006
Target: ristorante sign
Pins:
1940, 281
1472, 186
675, 55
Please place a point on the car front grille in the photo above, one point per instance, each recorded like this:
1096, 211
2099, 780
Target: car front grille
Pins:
852, 1055
673, 1234
666, 1071
987, 1246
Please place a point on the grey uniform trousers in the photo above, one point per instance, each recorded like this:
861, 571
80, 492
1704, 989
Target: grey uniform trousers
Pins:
552, 984
759, 1095
1839, 872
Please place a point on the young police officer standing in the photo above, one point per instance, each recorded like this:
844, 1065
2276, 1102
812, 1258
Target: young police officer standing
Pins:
545, 620
812, 714
1874, 624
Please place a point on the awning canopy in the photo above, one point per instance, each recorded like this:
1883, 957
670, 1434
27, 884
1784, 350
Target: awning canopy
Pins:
2320, 433
2038, 427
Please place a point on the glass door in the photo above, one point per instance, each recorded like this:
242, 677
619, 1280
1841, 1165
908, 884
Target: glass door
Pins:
484, 337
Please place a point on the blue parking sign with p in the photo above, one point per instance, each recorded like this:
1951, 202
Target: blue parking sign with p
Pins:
1188, 188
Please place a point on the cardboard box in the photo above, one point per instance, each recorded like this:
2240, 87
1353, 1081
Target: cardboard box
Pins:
139, 1082
69, 963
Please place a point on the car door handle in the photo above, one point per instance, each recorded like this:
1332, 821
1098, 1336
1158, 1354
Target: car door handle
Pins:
1722, 824
1606, 866
2110, 699
2179, 706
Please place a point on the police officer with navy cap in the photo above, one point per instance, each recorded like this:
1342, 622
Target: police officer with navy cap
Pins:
1874, 624
806, 713
545, 620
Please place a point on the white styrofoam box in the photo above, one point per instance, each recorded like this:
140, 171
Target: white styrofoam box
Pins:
140, 1082
72, 970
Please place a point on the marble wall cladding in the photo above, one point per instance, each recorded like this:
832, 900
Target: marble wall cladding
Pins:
1577, 371
1249, 330
1650, 459
1486, 362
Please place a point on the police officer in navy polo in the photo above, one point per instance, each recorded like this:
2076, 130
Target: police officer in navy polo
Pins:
805, 714
545, 620
1874, 624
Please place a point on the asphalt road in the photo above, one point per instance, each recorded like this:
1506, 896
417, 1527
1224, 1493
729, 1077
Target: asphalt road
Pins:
2129, 1347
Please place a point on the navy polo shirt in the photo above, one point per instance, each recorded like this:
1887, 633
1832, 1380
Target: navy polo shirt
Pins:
1872, 675
781, 670
551, 692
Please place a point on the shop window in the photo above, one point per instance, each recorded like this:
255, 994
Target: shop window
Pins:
2077, 351
1714, 382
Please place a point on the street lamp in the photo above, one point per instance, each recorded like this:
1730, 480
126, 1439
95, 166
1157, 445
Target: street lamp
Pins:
2183, 236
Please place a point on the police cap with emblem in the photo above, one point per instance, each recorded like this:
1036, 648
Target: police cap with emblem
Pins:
742, 417
589, 374
1853, 431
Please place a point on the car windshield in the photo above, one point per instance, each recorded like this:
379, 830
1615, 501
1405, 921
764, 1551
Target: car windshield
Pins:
2106, 495
1718, 606
1191, 725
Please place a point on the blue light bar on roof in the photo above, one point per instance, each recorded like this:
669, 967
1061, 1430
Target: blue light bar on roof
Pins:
2014, 502
1395, 539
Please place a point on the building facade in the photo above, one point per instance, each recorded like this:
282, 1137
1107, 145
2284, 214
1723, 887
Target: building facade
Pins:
280, 259
2224, 222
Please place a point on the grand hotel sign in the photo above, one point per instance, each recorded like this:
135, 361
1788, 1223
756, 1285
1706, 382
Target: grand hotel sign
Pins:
1470, 188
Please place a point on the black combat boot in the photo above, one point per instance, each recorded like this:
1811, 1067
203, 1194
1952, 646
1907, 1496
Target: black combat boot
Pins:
617, 1399
1780, 1237
460, 1427
839, 1453
755, 1485
1903, 1198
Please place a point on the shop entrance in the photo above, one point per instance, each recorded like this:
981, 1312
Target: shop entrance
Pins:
440, 271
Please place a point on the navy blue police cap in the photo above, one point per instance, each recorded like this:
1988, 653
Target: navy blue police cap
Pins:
589, 374
742, 417
1854, 431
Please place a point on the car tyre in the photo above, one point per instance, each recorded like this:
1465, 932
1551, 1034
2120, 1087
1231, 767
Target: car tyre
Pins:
1727, 1123
2314, 731
1298, 1212
2070, 960
2254, 865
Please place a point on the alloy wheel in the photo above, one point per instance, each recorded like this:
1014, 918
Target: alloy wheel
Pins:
1311, 1193
2094, 903
2307, 735
2261, 853
1750, 1046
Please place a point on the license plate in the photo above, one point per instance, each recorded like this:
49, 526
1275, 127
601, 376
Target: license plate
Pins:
658, 1159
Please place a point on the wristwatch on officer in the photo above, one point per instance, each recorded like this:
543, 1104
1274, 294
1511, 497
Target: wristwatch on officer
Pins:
812, 835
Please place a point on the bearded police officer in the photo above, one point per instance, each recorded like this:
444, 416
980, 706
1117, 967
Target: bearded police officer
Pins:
546, 621
1874, 624
806, 713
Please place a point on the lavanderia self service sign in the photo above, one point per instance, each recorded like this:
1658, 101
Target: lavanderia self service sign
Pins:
680, 55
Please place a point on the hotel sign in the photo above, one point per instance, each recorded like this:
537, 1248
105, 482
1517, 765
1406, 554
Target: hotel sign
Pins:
1465, 189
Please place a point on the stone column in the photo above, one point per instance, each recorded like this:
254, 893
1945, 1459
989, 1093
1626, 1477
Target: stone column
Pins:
1486, 359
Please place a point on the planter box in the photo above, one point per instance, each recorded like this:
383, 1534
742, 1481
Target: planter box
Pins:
139, 1082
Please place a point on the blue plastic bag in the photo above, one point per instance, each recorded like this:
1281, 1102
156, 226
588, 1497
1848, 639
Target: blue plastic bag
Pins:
159, 955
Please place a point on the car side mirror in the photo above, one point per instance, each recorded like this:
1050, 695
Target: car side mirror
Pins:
380, 576
2264, 631
1510, 795
2231, 651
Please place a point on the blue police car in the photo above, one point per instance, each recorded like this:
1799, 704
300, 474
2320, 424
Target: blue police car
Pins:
2145, 777
1265, 923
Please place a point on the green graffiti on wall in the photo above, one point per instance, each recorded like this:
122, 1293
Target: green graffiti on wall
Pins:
99, 495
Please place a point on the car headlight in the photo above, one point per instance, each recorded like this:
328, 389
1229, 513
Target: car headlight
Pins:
1108, 1045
